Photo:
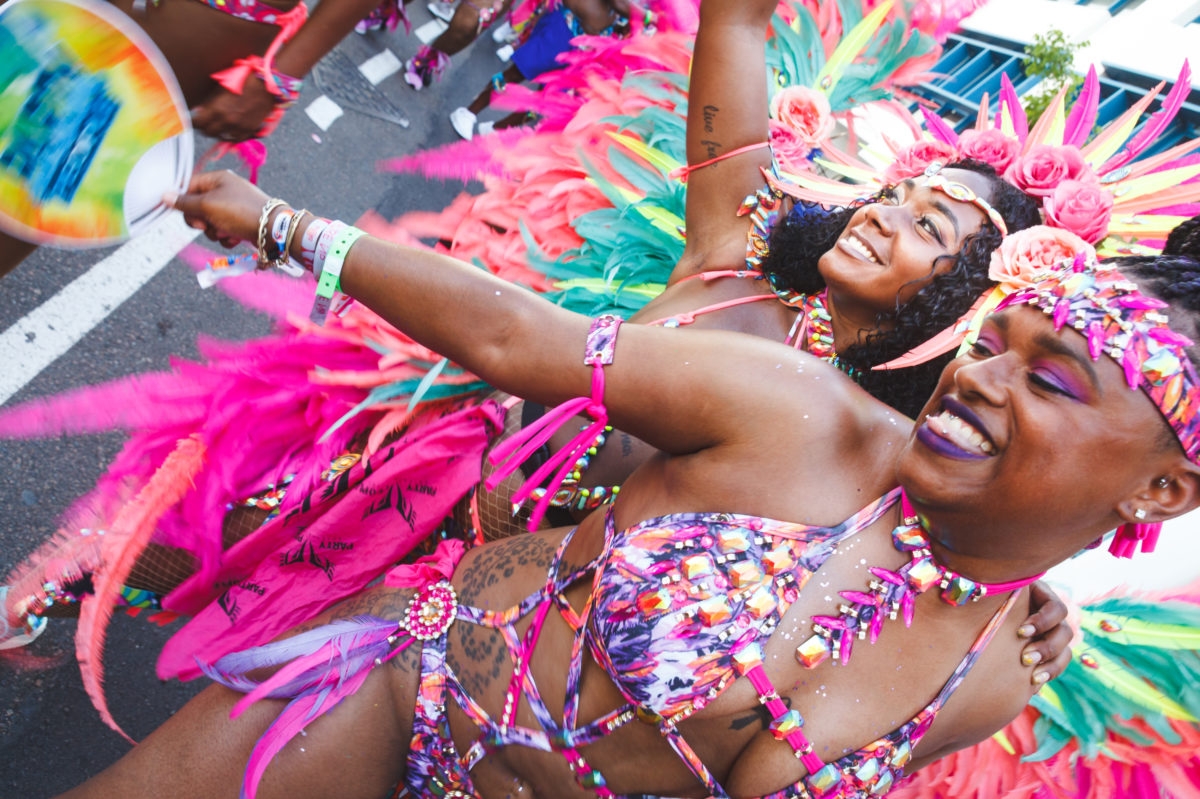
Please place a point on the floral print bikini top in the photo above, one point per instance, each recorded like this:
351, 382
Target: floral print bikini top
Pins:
718, 584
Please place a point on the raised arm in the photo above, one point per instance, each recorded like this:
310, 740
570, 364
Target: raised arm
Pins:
727, 110
678, 390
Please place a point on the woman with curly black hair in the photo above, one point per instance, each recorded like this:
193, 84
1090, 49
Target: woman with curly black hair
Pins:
807, 236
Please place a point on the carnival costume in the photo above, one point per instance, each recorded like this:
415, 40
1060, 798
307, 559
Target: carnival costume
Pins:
601, 214
682, 604
663, 591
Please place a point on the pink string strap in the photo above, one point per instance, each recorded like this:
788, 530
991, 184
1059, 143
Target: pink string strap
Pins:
684, 171
509, 454
234, 78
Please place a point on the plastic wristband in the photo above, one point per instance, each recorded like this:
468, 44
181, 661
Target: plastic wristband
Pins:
330, 284
308, 242
324, 244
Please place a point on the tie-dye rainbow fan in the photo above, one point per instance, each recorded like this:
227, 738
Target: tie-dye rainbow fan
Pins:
93, 126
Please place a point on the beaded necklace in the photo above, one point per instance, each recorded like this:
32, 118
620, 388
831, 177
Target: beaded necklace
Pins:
814, 328
890, 593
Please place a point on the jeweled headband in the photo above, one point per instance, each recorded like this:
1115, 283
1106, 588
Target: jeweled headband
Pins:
964, 194
1121, 322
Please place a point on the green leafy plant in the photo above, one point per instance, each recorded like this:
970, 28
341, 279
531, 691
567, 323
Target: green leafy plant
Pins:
1052, 56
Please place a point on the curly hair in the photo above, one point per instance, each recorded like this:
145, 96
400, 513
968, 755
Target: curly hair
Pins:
797, 244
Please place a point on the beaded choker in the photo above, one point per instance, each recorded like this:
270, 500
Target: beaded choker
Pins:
814, 328
891, 593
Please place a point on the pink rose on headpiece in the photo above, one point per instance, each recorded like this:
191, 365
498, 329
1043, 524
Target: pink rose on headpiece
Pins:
806, 111
1027, 252
1083, 208
1045, 167
912, 160
989, 146
789, 150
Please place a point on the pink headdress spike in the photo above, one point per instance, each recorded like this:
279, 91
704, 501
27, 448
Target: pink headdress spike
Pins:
1011, 118
1083, 116
1051, 124
981, 117
1156, 123
940, 130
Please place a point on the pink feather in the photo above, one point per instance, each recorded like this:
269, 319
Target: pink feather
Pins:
1156, 124
130, 532
938, 128
1083, 114
1008, 100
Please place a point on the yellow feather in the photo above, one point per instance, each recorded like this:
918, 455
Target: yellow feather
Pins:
662, 219
850, 46
1135, 632
1005, 744
1052, 124
1146, 227
857, 174
1126, 190
1117, 678
601, 286
1115, 133
657, 158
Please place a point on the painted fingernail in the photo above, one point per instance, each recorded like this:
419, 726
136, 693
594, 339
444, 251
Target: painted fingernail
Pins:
1031, 658
1026, 631
1041, 678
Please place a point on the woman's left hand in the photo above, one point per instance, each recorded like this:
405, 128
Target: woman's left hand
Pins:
230, 117
225, 206
1049, 649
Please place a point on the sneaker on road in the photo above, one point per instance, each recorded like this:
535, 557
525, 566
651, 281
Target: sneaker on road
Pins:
504, 34
463, 122
442, 9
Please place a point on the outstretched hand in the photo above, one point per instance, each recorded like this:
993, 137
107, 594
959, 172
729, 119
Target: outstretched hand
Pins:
225, 206
1049, 649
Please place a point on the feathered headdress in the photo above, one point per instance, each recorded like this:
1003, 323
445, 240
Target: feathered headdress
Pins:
1093, 185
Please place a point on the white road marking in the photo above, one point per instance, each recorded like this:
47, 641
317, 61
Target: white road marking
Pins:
378, 67
44, 334
323, 112
431, 30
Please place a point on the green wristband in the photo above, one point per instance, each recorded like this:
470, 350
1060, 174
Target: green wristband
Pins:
330, 282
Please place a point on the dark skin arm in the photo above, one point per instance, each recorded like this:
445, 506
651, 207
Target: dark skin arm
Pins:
727, 109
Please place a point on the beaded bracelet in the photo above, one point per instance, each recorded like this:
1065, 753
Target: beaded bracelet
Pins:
266, 261
288, 87
330, 282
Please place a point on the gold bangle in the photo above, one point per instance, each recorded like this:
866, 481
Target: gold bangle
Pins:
264, 260
293, 226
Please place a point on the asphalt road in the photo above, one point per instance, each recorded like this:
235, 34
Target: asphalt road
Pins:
50, 736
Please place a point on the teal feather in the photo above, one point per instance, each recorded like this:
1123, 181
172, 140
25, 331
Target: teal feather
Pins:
797, 56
